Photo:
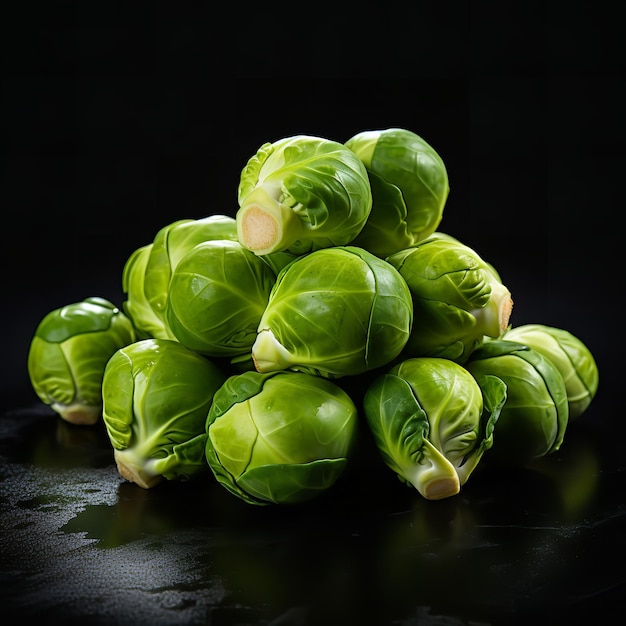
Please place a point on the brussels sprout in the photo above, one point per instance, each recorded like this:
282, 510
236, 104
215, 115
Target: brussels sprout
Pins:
535, 416
68, 355
457, 298
386, 230
300, 194
570, 355
405, 160
136, 306
156, 396
432, 422
334, 312
217, 295
169, 246
279, 437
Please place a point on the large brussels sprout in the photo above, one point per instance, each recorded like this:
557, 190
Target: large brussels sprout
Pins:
432, 422
300, 194
570, 355
334, 312
156, 396
458, 298
217, 294
69, 352
170, 245
405, 160
279, 437
535, 416
136, 306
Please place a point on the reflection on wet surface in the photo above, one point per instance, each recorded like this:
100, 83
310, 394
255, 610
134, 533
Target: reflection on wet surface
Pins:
79, 542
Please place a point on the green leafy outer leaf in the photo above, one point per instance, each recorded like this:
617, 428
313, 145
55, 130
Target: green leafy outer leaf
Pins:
457, 298
169, 246
405, 160
69, 352
334, 312
156, 396
317, 189
136, 306
217, 294
291, 483
570, 355
386, 230
279, 437
534, 418
494, 397
426, 415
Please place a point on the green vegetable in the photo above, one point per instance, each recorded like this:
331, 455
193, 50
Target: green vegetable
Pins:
69, 352
405, 160
300, 194
570, 355
432, 422
534, 418
217, 294
334, 312
156, 396
458, 298
279, 437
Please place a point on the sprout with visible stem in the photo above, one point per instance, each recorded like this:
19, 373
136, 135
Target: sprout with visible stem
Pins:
69, 352
432, 422
300, 194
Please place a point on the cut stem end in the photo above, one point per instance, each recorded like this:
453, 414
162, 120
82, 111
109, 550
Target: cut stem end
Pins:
258, 230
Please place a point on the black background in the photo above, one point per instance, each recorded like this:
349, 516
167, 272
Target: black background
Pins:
116, 124
119, 118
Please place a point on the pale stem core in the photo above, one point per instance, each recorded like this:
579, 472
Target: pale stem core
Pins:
435, 477
269, 354
133, 472
79, 413
265, 224
494, 317
259, 230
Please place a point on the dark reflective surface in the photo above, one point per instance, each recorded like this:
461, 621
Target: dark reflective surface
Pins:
536, 164
544, 544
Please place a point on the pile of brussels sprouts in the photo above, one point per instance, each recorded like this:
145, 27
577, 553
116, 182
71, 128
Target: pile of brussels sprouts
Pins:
237, 349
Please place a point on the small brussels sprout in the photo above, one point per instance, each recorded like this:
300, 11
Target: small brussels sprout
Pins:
279, 437
457, 298
217, 294
170, 245
68, 355
535, 416
570, 355
405, 160
432, 422
136, 306
156, 396
300, 194
334, 312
